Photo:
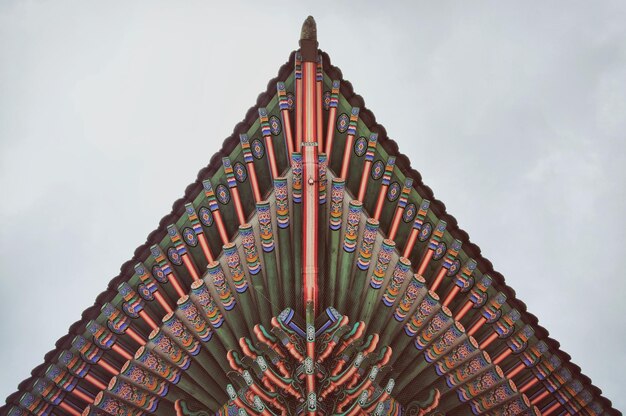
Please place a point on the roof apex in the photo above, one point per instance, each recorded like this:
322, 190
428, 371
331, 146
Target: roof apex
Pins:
308, 40
309, 29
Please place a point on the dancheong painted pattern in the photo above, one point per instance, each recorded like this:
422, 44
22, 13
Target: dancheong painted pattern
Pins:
307, 271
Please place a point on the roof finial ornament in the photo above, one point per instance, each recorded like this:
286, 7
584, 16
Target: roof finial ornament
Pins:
308, 40
309, 29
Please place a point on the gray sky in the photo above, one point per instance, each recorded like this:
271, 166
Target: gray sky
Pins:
526, 102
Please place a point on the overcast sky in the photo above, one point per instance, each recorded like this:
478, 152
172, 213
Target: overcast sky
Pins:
514, 114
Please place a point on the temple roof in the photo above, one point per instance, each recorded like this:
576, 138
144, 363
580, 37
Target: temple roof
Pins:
389, 147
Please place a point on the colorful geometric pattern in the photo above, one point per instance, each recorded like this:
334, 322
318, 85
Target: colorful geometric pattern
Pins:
434, 331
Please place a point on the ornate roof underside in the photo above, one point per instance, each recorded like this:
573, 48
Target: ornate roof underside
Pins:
307, 270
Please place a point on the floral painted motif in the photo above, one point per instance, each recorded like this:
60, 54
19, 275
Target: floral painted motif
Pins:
194, 319
200, 294
410, 296
216, 275
175, 328
282, 202
234, 265
336, 203
367, 244
454, 268
133, 395
206, 217
409, 213
480, 384
249, 248
501, 394
326, 100
145, 379
352, 226
323, 181
291, 101
223, 194
518, 406
275, 126
258, 150
444, 343
190, 236
440, 251
296, 183
378, 169
174, 257
240, 171
112, 406
342, 123
465, 281
164, 344
456, 356
427, 306
434, 328
393, 192
382, 263
468, 369
397, 280
157, 365
159, 274
264, 215
425, 231
360, 146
